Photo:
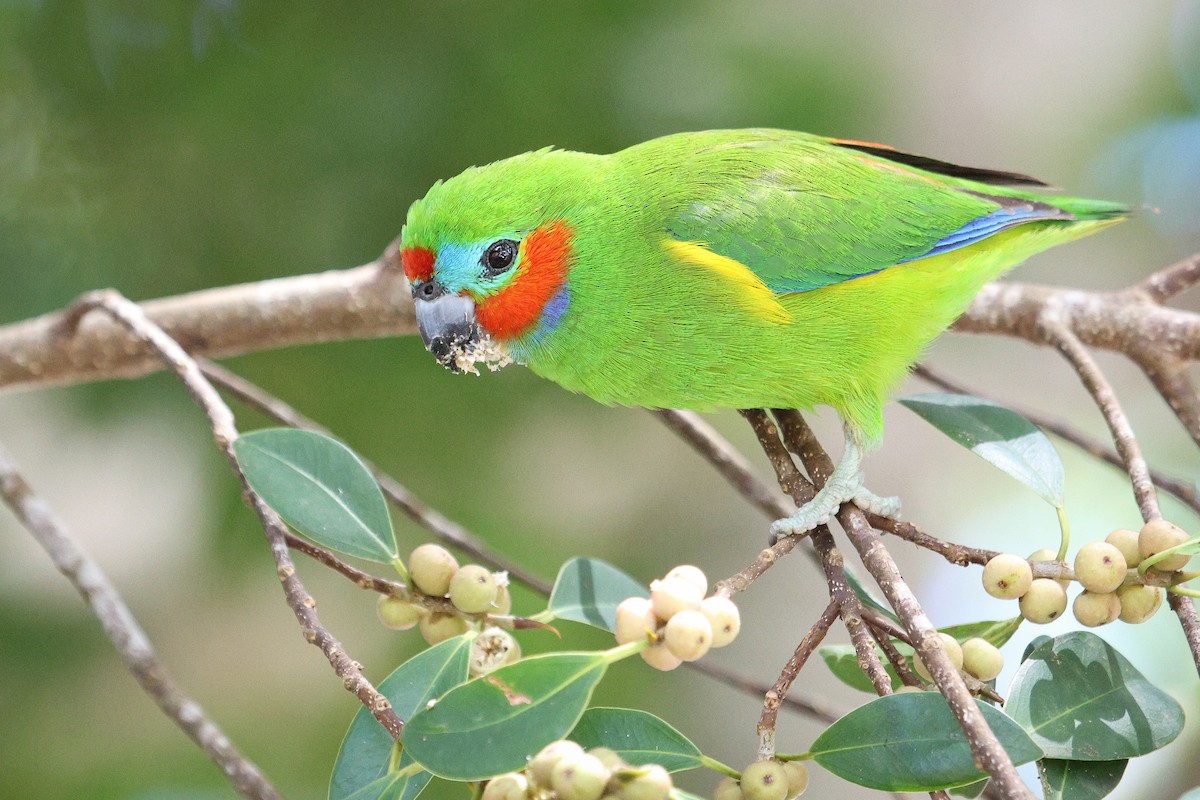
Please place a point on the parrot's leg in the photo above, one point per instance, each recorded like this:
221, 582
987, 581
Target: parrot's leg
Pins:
845, 485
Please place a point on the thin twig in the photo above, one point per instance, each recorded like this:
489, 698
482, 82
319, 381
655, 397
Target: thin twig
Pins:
1186, 611
772, 699
989, 753
1182, 490
363, 580
849, 606
894, 657
127, 635
225, 433
1067, 343
397, 494
959, 554
1172, 280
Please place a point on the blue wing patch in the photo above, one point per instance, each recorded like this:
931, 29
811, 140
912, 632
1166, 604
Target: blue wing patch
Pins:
1003, 218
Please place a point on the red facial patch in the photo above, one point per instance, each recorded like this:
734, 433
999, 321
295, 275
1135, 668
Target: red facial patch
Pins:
546, 255
417, 263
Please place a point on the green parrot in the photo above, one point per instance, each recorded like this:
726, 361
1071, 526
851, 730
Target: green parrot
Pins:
724, 269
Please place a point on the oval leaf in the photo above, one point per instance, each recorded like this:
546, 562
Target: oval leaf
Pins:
842, 661
995, 632
1079, 780
493, 723
638, 736
912, 743
361, 769
588, 590
1082, 700
998, 435
320, 488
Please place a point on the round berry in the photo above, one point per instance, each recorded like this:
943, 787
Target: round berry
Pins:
1158, 535
672, 595
693, 575
438, 627
509, 786
1126, 541
764, 780
473, 589
724, 617
658, 656
981, 658
797, 778
431, 567
953, 652
1139, 603
1100, 567
635, 620
727, 789
398, 614
689, 635
1045, 601
542, 764
1007, 576
579, 777
1096, 608
650, 782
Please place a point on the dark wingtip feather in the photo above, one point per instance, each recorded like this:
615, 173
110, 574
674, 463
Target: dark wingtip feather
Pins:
991, 176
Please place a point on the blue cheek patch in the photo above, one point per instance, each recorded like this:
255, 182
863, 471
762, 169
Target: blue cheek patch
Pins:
552, 314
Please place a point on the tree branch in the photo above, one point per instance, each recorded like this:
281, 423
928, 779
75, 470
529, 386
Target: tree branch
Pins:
1170, 378
127, 635
225, 433
1170, 281
771, 701
370, 301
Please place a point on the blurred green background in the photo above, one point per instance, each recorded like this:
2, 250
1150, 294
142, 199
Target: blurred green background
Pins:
165, 146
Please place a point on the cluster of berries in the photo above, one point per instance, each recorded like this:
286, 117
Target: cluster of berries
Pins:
563, 771
1110, 592
434, 572
680, 622
765, 780
975, 656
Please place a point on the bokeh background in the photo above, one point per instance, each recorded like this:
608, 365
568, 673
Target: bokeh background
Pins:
163, 147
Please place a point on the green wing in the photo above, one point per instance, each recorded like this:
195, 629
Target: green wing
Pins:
804, 212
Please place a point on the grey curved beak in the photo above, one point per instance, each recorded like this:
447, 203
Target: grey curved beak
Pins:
447, 325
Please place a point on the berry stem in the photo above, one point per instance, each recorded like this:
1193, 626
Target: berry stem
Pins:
717, 766
398, 563
1183, 590
1065, 527
619, 652
805, 756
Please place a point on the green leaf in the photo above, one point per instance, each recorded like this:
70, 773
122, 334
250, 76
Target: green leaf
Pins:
361, 769
1191, 794
843, 663
588, 590
995, 632
970, 790
638, 736
998, 435
1079, 780
320, 488
1082, 700
911, 742
493, 723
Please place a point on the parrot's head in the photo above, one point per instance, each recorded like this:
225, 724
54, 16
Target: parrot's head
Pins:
487, 255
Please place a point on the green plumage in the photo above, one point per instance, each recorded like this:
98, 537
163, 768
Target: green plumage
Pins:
811, 271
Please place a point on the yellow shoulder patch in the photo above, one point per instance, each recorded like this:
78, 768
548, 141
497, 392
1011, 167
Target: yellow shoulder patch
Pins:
755, 296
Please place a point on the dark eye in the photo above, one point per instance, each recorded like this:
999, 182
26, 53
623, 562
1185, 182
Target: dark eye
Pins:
499, 256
